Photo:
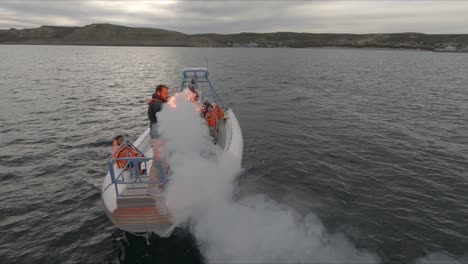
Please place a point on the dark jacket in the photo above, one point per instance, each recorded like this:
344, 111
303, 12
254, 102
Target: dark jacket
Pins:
193, 86
154, 106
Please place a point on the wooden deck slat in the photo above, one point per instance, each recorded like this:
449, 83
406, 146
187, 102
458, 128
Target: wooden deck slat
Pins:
135, 191
152, 222
142, 212
130, 215
159, 221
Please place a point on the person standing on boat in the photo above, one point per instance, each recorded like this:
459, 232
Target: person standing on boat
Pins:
159, 97
193, 86
155, 105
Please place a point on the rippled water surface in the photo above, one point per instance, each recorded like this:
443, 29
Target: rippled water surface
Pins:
373, 142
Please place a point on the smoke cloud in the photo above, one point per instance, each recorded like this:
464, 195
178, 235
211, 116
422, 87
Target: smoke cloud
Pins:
441, 257
251, 230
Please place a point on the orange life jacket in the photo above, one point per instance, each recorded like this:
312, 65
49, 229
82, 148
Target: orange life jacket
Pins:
219, 112
150, 101
210, 119
123, 153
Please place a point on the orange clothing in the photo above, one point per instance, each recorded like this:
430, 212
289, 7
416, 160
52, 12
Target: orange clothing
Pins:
123, 153
150, 101
219, 112
210, 119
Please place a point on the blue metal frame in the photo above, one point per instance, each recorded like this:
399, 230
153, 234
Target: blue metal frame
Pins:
133, 168
203, 78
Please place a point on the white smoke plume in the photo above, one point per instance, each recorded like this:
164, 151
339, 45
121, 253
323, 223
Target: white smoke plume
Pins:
441, 258
201, 171
251, 230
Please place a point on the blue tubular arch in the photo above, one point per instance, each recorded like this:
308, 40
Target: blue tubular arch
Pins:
201, 75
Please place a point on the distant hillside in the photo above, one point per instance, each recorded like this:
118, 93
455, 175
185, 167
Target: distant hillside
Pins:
103, 34
113, 35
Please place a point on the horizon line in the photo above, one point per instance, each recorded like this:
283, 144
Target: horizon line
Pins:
408, 32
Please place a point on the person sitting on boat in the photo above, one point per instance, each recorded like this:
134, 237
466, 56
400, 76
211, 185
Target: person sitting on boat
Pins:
219, 111
211, 121
123, 153
206, 106
219, 114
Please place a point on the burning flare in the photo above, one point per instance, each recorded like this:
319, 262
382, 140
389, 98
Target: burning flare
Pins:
172, 101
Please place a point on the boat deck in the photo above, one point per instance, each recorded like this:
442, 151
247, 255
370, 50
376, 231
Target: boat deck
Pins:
141, 211
135, 196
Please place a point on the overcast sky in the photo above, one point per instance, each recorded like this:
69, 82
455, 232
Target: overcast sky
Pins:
245, 16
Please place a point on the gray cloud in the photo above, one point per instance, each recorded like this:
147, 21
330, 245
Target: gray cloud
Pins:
246, 16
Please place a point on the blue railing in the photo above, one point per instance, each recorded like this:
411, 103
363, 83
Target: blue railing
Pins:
200, 75
132, 168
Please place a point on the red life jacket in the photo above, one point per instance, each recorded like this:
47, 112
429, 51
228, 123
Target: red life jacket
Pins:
219, 112
123, 153
210, 119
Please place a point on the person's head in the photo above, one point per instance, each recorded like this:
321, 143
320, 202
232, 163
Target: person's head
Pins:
162, 91
193, 81
120, 139
194, 96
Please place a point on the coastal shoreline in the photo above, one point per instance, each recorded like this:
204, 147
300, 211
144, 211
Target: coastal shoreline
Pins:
114, 35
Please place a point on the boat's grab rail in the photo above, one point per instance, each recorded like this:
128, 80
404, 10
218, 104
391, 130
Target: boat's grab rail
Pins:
132, 168
200, 75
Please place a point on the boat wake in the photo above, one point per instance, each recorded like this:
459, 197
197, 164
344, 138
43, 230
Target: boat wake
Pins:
254, 229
